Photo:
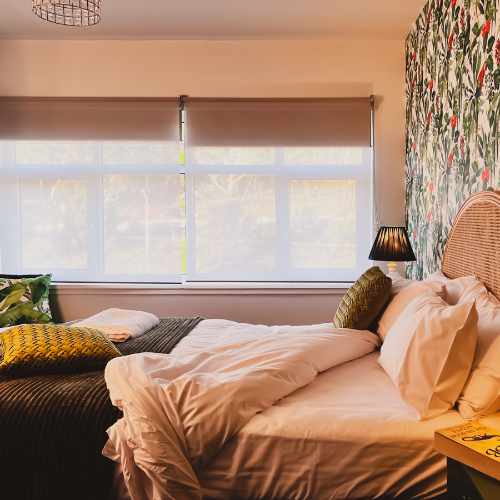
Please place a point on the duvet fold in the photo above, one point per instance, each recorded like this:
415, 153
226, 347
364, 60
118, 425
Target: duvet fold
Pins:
180, 409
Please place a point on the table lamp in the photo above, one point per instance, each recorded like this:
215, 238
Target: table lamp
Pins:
392, 245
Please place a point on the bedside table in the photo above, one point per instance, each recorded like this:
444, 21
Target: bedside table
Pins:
466, 483
473, 469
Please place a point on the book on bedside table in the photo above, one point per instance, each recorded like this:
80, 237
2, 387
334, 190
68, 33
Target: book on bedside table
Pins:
472, 444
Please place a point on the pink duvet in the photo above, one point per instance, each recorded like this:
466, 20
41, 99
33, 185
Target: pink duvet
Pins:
180, 409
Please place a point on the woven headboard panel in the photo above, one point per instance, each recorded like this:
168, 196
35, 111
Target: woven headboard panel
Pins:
473, 246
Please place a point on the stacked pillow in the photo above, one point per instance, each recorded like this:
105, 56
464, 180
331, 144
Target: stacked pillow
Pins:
428, 347
403, 299
481, 394
430, 331
459, 289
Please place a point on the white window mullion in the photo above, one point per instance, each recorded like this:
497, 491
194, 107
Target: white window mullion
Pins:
189, 183
189, 193
95, 204
282, 219
282, 227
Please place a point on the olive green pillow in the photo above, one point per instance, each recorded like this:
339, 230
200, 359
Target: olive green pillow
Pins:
32, 349
364, 301
24, 299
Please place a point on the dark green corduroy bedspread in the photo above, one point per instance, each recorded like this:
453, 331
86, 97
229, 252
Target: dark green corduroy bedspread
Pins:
53, 427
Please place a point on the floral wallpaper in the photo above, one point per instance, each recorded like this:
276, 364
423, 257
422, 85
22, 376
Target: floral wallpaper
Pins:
452, 118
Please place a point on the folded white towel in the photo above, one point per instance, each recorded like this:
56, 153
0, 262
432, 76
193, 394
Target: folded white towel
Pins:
120, 324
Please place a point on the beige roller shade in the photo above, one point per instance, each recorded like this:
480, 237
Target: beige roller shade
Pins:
88, 119
289, 122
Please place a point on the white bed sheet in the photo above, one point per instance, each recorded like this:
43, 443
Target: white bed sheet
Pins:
346, 435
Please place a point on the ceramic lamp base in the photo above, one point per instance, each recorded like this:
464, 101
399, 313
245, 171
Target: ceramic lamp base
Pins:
392, 267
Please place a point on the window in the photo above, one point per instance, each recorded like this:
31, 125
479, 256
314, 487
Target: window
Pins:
104, 190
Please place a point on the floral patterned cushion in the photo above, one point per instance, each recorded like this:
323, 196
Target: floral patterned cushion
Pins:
24, 300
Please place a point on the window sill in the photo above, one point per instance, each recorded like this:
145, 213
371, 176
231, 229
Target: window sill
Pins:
205, 288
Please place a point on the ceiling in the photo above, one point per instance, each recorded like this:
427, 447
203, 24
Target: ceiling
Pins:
224, 19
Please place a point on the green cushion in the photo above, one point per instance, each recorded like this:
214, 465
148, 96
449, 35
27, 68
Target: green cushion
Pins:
364, 301
24, 300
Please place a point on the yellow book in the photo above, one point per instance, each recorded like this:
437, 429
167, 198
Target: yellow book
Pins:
473, 444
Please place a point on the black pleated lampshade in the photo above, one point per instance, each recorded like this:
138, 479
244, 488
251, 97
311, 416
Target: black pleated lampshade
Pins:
392, 245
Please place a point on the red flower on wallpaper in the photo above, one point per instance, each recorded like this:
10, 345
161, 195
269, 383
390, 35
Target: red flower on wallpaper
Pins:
451, 157
482, 74
486, 29
429, 117
454, 3
485, 176
429, 14
414, 147
454, 122
414, 56
430, 85
430, 187
450, 41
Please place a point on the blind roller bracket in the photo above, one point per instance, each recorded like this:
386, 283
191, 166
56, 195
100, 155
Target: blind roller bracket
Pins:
182, 107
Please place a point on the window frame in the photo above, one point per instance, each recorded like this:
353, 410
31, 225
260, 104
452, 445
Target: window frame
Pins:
94, 176
296, 172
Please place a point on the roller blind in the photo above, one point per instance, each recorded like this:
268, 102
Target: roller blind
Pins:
278, 190
92, 189
89, 119
325, 122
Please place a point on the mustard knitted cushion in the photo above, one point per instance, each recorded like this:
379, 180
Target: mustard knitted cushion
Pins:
364, 301
30, 349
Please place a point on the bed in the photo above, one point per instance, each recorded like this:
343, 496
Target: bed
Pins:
347, 434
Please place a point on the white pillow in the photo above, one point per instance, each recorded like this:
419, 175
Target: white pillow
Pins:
456, 288
403, 297
428, 352
481, 394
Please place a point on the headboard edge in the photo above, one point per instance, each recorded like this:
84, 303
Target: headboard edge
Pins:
473, 246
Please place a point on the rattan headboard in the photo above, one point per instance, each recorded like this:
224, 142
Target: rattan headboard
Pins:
473, 246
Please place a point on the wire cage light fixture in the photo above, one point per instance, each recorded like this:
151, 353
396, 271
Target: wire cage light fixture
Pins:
68, 12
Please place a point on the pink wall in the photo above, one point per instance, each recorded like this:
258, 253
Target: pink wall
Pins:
267, 306
245, 68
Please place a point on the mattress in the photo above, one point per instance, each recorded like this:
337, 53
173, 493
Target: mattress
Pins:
346, 435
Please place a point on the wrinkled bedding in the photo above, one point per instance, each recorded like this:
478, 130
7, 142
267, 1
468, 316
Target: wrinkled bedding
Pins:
348, 434
179, 410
